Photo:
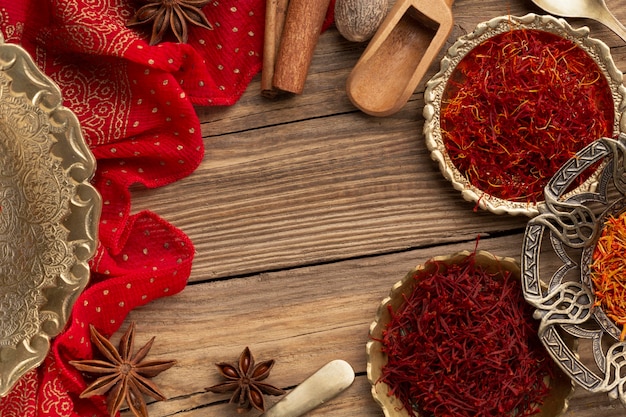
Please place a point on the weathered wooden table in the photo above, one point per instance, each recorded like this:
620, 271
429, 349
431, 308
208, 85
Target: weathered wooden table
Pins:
304, 213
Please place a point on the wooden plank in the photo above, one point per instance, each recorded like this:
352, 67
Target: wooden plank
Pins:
286, 195
301, 317
278, 188
303, 214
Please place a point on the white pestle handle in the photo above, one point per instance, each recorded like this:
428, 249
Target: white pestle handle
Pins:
326, 383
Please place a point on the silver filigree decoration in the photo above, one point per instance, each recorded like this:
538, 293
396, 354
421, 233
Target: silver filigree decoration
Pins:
556, 271
48, 213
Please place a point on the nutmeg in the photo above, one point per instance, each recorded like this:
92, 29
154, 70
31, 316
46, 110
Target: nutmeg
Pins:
358, 20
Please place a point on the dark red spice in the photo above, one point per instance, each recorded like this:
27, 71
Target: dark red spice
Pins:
518, 106
464, 343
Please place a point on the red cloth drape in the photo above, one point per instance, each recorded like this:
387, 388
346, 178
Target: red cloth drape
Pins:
135, 103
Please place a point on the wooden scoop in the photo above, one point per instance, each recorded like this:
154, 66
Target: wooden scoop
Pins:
399, 55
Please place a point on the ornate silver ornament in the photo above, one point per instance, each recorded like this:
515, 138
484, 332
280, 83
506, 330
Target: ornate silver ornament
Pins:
557, 253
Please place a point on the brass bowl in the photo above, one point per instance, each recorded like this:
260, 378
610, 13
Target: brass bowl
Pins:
435, 89
555, 403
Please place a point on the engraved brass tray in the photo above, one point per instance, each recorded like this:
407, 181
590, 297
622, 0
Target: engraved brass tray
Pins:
49, 213
556, 263
435, 87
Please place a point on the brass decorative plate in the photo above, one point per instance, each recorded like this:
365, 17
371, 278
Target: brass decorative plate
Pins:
560, 287
435, 88
49, 213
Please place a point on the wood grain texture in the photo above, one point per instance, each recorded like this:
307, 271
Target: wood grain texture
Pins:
303, 317
303, 214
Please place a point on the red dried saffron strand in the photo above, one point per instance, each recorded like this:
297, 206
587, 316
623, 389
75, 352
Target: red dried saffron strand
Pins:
608, 271
518, 106
464, 343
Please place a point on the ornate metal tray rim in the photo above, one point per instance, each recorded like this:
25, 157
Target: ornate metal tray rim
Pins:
565, 305
435, 86
39, 112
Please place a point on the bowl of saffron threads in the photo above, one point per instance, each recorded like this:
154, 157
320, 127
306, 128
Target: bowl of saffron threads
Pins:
456, 338
513, 101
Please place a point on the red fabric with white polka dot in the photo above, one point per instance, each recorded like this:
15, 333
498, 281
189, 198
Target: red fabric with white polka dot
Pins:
135, 105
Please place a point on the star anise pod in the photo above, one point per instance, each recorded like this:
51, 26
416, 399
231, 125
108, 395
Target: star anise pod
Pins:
244, 380
171, 16
122, 375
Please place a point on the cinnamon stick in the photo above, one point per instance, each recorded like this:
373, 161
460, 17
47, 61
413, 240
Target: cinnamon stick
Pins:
275, 14
302, 29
